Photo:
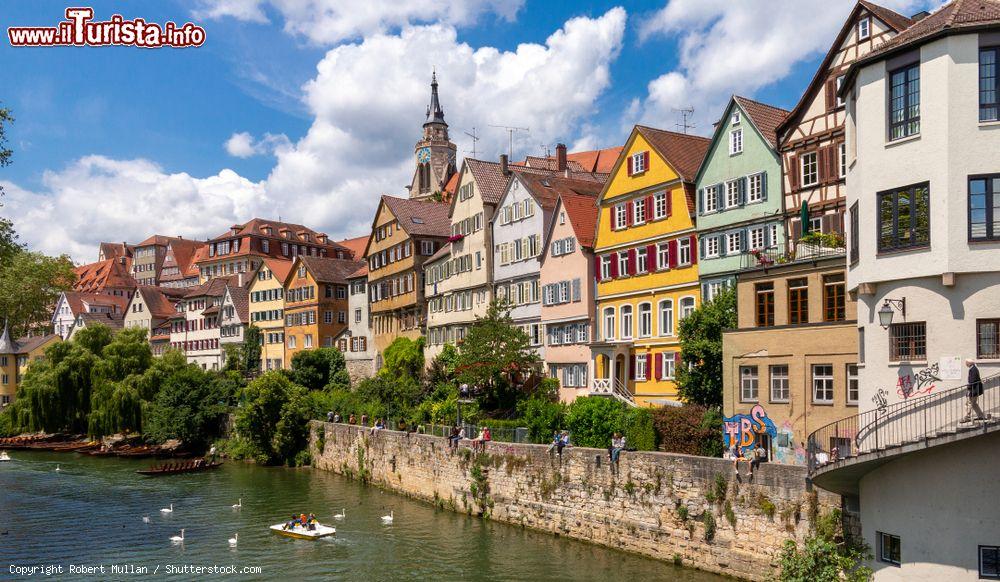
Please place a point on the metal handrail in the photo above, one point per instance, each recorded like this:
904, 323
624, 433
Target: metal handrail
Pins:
918, 418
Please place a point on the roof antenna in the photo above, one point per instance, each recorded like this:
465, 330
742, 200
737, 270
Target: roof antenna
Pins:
686, 114
510, 137
475, 138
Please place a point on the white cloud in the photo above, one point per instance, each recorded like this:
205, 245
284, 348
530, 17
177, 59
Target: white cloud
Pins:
243, 145
367, 101
333, 21
739, 47
99, 199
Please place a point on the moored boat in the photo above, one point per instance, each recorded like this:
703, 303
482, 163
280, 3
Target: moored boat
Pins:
177, 468
302, 533
4, 457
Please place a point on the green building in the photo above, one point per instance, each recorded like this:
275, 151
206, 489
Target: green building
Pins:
740, 203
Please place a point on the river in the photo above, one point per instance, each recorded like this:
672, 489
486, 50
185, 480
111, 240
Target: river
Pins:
90, 513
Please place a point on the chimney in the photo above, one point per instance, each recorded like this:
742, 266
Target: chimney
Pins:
560, 157
503, 165
240, 279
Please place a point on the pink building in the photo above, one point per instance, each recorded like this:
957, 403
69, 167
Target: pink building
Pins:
567, 276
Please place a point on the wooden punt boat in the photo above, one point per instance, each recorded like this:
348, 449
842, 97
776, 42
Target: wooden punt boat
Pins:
301, 533
177, 468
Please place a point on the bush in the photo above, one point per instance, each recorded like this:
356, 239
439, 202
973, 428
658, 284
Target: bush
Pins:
637, 426
709, 521
593, 419
542, 417
274, 418
318, 368
684, 430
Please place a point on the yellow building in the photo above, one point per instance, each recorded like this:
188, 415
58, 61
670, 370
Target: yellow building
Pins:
267, 311
15, 357
646, 265
316, 303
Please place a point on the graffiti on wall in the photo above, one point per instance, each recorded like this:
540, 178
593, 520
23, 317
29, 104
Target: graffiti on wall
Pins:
922, 382
880, 401
742, 429
784, 449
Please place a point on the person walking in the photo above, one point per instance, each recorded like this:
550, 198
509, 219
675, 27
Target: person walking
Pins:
975, 390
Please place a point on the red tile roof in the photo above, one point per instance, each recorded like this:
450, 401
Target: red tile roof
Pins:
419, 217
240, 298
160, 301
158, 240
894, 19
280, 232
362, 272
110, 273
582, 214
766, 117
79, 301
450, 187
546, 189
492, 183
280, 267
327, 270
550, 163
356, 245
181, 253
683, 152
600, 161
952, 17
109, 250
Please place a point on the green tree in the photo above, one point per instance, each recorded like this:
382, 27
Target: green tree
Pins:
825, 556
251, 349
271, 419
30, 283
442, 367
189, 406
8, 236
317, 368
593, 419
699, 378
404, 358
541, 416
494, 355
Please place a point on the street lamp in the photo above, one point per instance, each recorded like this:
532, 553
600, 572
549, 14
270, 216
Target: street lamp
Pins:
886, 312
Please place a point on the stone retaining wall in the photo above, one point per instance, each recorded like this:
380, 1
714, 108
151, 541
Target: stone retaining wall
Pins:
640, 509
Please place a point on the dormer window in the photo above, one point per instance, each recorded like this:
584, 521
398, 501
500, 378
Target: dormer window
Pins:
864, 28
736, 118
235, 230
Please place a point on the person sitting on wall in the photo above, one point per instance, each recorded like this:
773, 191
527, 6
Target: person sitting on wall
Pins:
615, 451
758, 454
337, 417
364, 420
454, 437
352, 420
329, 416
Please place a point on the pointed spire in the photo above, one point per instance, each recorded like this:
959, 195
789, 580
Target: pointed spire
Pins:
7, 346
434, 112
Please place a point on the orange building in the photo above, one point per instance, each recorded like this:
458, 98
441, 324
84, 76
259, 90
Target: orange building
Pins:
315, 302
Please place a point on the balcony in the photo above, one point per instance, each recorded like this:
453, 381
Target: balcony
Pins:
840, 453
774, 257
613, 388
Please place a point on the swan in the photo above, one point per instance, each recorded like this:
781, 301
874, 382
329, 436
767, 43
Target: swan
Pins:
238, 505
234, 540
341, 515
58, 469
165, 510
178, 539
145, 519
387, 518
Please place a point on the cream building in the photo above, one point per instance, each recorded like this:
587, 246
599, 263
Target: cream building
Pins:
267, 310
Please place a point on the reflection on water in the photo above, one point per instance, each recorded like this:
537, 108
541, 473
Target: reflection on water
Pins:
91, 512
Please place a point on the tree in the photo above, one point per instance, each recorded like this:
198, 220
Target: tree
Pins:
699, 378
404, 358
317, 368
8, 236
273, 418
593, 419
189, 406
825, 556
30, 283
494, 354
251, 349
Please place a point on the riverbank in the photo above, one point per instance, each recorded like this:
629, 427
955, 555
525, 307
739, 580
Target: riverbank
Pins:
666, 506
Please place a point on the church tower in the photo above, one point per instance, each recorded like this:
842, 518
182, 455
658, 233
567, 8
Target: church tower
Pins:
434, 153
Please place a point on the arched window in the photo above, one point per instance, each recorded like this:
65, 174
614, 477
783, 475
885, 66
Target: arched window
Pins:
667, 317
609, 323
626, 330
645, 319
687, 306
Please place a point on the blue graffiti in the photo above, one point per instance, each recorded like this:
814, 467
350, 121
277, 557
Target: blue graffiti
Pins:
744, 428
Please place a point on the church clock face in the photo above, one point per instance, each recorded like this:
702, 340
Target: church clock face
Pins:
424, 155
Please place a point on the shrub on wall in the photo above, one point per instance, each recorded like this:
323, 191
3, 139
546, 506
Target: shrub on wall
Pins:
637, 426
593, 419
541, 416
689, 430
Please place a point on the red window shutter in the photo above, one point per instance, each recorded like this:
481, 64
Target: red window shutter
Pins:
670, 203
694, 249
629, 212
658, 366
649, 209
833, 162
677, 362
651, 258
672, 249
793, 172
831, 94
631, 262
631, 368
821, 165
628, 160
597, 267
614, 265
645, 160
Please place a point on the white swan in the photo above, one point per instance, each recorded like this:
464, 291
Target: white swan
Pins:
341, 515
238, 505
234, 540
178, 539
145, 519
165, 510
58, 469
387, 518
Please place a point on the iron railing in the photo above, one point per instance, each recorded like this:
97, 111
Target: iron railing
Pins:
502, 434
916, 419
767, 258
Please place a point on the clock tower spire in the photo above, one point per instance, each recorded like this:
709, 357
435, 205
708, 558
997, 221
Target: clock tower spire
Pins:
434, 153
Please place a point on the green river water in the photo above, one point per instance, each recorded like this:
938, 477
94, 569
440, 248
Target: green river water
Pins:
90, 513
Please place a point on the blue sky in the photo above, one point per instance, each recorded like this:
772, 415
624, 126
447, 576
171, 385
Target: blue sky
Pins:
117, 143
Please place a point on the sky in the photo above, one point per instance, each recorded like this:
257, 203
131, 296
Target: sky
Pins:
308, 110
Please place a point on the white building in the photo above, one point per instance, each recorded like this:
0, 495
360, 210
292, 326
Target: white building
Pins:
74, 303
234, 316
923, 197
195, 328
357, 345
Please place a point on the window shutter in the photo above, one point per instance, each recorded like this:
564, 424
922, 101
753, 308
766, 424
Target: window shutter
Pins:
611, 217
701, 202
744, 234
694, 249
628, 160
796, 231
793, 172
650, 211
631, 262
645, 160
763, 186
614, 265
629, 210
670, 203
743, 190
576, 290
651, 258
767, 236
833, 161
826, 223
658, 367
672, 249
597, 267
821, 165
631, 367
